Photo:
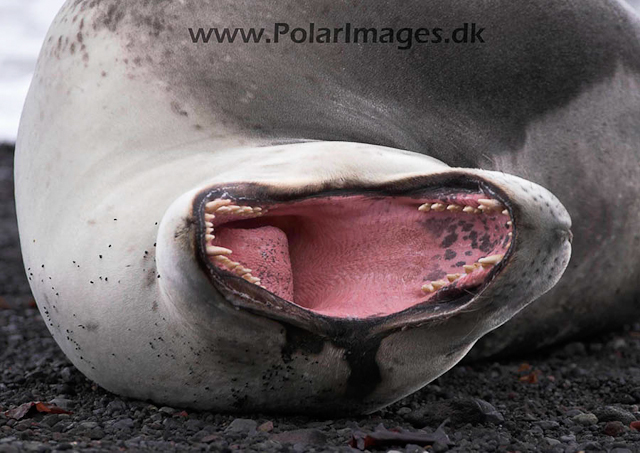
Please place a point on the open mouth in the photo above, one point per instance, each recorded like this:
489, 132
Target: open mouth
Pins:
358, 255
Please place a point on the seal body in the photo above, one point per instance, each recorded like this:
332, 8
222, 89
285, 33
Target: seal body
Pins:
134, 137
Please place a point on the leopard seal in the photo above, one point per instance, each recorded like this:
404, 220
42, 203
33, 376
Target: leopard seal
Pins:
295, 228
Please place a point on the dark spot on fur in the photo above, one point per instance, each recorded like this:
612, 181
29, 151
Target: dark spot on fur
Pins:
177, 109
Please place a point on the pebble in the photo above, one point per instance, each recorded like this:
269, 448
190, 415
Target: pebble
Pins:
242, 426
552, 442
63, 403
548, 424
459, 411
116, 406
266, 427
586, 419
124, 423
613, 413
614, 429
301, 436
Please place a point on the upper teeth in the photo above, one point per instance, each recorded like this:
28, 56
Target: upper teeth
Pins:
219, 254
490, 260
213, 206
485, 205
221, 206
214, 250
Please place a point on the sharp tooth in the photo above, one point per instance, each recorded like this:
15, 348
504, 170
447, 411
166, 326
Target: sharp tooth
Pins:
509, 223
223, 260
469, 209
212, 206
208, 224
241, 271
505, 212
493, 204
254, 280
223, 210
248, 277
438, 284
235, 209
209, 237
428, 288
208, 230
425, 207
258, 209
209, 217
454, 207
214, 250
438, 207
246, 210
477, 211
468, 268
490, 260
453, 277
509, 234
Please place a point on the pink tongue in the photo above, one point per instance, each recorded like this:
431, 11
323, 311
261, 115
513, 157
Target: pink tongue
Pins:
264, 250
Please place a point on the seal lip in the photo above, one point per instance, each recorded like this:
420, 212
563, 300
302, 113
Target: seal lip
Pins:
248, 297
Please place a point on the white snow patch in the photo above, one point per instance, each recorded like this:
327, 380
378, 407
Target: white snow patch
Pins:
23, 26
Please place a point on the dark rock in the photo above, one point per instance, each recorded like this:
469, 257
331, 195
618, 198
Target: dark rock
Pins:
66, 374
590, 446
614, 429
548, 424
96, 434
301, 436
614, 413
193, 425
116, 406
552, 442
573, 350
242, 426
124, 423
459, 411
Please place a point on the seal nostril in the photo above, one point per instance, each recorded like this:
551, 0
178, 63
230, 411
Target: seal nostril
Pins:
565, 234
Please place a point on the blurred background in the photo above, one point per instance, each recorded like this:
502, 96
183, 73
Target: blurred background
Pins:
23, 25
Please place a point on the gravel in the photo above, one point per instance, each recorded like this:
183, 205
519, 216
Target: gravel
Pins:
578, 397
